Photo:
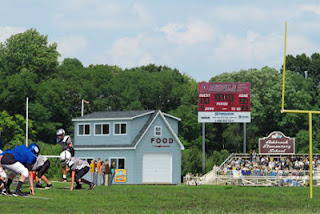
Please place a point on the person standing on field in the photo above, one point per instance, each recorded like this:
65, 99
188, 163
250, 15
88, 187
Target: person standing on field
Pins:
92, 170
99, 175
103, 171
66, 145
112, 169
107, 173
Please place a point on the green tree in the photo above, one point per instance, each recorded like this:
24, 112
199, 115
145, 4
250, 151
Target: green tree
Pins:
13, 130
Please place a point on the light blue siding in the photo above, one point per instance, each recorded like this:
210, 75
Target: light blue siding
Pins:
133, 157
145, 146
107, 154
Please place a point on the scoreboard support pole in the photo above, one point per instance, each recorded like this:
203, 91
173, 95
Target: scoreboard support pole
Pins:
203, 148
244, 138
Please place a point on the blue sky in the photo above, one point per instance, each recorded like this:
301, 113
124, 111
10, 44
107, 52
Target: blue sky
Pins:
199, 38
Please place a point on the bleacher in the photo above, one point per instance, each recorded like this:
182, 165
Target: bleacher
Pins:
285, 170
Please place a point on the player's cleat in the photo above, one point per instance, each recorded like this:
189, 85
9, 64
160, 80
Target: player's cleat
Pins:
79, 187
49, 186
8, 192
92, 186
3, 192
38, 185
19, 193
63, 180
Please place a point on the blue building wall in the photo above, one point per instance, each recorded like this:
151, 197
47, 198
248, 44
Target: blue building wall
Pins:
129, 155
133, 128
145, 146
133, 157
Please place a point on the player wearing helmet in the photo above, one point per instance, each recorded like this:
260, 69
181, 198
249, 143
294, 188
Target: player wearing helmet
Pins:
20, 161
3, 174
78, 169
66, 145
40, 167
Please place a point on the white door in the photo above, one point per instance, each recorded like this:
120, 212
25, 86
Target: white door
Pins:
157, 168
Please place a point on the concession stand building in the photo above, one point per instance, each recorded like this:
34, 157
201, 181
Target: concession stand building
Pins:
144, 145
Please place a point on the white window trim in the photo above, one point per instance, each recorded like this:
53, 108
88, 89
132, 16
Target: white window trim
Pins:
86, 158
125, 161
155, 131
114, 128
83, 135
101, 130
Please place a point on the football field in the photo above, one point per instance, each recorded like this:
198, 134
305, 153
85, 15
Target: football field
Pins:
165, 199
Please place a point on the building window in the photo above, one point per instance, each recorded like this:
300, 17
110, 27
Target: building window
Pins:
158, 131
88, 159
120, 128
84, 129
120, 163
102, 129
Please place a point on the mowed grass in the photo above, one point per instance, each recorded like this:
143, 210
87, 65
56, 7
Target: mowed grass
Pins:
165, 199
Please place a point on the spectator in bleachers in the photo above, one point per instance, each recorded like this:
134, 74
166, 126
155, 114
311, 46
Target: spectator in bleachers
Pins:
268, 165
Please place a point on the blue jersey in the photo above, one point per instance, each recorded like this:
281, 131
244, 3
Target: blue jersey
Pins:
22, 154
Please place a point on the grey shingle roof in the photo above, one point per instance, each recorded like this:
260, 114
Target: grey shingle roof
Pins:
114, 114
135, 140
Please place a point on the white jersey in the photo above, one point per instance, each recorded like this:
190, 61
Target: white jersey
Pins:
39, 162
64, 142
77, 164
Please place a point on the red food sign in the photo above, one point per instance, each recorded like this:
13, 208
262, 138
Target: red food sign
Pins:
233, 97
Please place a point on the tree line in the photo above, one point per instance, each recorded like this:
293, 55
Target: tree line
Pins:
29, 67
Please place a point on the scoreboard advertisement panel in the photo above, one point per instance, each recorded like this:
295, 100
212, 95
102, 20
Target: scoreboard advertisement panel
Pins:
222, 102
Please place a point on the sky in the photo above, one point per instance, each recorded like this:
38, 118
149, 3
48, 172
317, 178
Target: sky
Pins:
201, 39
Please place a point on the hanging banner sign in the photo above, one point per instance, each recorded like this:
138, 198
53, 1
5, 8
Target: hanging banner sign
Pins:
276, 143
224, 102
120, 175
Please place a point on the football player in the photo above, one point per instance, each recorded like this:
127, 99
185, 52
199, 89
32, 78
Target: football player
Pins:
40, 167
3, 174
20, 161
78, 169
66, 145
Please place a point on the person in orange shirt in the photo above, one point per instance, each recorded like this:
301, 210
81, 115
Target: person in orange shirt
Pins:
92, 170
99, 172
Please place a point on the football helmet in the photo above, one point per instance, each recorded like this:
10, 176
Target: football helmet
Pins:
34, 148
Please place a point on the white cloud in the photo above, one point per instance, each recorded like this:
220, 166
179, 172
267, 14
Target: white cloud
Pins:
256, 50
196, 31
238, 14
130, 52
7, 31
71, 46
101, 15
310, 8
143, 14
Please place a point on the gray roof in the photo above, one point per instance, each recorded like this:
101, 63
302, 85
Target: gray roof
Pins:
127, 114
135, 140
114, 114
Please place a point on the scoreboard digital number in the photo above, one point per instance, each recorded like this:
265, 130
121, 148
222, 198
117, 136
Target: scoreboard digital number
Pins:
229, 101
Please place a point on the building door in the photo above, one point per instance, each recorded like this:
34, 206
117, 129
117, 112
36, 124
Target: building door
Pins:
157, 168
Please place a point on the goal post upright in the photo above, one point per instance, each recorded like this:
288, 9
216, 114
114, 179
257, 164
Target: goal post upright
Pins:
309, 112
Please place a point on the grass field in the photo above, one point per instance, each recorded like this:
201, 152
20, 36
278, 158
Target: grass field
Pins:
120, 199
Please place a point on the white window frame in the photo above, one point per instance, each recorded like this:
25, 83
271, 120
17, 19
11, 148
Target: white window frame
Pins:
155, 131
117, 162
84, 124
86, 158
114, 128
101, 129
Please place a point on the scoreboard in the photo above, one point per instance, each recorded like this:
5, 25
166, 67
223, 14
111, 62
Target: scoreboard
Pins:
224, 102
